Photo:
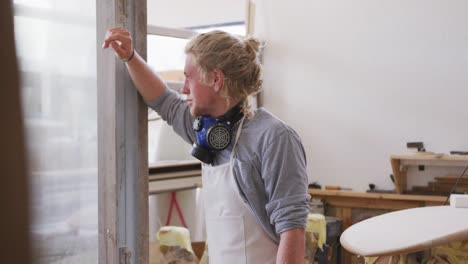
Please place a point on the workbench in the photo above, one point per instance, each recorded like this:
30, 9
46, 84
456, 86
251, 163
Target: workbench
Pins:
353, 207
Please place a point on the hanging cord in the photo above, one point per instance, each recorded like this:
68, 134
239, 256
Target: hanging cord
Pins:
175, 204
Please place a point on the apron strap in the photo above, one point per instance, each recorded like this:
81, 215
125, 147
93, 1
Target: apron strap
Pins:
237, 137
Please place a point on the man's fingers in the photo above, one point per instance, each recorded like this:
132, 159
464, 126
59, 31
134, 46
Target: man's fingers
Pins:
115, 37
120, 40
119, 51
125, 40
121, 31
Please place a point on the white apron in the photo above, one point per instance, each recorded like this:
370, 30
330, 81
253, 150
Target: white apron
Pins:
233, 233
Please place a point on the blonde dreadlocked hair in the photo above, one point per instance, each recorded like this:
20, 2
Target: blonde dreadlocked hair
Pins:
238, 59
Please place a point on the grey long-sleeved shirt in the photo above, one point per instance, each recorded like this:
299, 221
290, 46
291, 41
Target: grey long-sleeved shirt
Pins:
269, 167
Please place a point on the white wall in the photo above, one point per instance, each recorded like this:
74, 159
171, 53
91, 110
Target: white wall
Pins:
359, 79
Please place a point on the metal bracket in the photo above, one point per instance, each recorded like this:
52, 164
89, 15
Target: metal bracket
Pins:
124, 255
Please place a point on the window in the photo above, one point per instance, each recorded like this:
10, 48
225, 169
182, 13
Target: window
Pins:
57, 58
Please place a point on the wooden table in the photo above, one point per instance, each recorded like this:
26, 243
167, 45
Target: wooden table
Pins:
400, 164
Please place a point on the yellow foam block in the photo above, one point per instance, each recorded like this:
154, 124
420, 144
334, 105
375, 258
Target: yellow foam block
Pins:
455, 252
175, 236
316, 224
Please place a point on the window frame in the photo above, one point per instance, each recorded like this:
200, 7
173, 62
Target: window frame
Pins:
122, 141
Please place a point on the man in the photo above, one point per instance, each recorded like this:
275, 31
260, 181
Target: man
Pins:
254, 170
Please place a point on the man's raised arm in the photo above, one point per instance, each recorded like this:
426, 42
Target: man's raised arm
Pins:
149, 85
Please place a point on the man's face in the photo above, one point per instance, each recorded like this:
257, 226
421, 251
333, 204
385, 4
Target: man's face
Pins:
200, 97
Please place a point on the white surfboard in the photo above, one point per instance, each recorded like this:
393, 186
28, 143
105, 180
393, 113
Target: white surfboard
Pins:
406, 231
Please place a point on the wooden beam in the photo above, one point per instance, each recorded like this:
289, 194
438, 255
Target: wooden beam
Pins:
377, 196
399, 175
122, 141
250, 18
431, 158
372, 203
345, 214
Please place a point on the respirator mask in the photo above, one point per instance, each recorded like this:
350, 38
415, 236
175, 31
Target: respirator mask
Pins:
214, 134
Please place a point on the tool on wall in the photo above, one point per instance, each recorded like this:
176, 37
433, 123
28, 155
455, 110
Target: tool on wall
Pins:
336, 188
417, 145
458, 152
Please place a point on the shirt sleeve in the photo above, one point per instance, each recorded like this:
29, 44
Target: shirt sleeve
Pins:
176, 112
286, 182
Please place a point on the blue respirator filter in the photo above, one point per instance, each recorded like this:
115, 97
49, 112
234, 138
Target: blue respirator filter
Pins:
214, 134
